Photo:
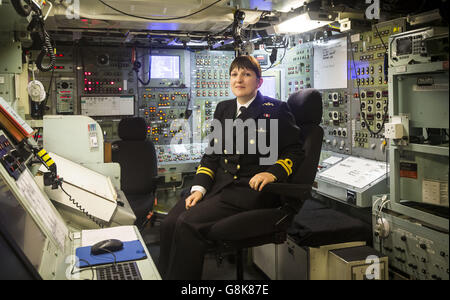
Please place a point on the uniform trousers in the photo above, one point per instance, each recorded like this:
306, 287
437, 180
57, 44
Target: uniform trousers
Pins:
183, 243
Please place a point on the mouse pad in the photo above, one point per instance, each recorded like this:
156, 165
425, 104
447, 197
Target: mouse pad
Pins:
132, 250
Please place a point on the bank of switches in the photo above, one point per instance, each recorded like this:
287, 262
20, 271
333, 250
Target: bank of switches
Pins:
212, 83
163, 109
169, 153
10, 158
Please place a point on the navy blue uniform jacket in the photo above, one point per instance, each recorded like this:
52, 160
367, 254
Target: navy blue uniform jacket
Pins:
229, 172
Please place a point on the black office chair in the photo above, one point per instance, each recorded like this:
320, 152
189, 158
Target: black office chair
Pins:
271, 225
138, 166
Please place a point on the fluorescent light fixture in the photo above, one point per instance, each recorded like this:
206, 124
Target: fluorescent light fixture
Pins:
305, 22
189, 44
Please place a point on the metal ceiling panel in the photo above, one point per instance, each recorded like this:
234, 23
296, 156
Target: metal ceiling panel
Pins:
95, 15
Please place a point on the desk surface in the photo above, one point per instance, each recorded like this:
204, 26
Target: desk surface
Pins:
147, 267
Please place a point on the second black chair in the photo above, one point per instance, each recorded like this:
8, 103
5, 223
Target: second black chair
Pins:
138, 166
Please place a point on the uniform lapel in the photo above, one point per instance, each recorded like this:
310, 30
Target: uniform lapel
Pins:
230, 111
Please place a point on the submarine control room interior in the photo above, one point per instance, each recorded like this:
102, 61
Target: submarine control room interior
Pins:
106, 113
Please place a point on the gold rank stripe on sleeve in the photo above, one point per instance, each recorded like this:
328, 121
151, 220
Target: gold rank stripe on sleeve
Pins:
286, 164
204, 170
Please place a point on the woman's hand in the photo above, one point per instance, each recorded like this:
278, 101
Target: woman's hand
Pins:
193, 199
258, 181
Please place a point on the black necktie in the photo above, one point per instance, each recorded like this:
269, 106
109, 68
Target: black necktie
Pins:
242, 110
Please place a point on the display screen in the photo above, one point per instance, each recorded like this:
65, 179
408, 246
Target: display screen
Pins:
107, 106
269, 87
21, 225
404, 46
262, 59
165, 67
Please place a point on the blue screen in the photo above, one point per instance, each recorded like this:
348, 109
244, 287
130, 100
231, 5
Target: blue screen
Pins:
164, 66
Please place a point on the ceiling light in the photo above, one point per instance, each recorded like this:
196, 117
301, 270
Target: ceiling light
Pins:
305, 22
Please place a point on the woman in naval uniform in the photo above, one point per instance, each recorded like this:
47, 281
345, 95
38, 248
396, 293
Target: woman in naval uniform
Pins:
228, 182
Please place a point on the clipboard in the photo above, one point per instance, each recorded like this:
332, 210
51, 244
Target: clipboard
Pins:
132, 250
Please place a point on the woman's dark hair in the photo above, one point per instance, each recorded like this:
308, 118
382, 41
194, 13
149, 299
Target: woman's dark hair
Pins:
246, 62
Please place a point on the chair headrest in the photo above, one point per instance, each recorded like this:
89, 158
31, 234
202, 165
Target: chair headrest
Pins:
306, 105
132, 129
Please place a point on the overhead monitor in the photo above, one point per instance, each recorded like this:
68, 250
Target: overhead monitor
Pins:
269, 86
168, 68
165, 67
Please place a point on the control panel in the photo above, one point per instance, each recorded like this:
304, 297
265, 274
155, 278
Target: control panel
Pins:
351, 180
210, 85
369, 88
298, 68
336, 121
65, 95
10, 158
106, 71
65, 57
62, 81
414, 248
165, 112
419, 46
173, 154
104, 80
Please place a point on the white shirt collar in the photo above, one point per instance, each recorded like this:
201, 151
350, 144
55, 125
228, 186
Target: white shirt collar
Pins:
246, 105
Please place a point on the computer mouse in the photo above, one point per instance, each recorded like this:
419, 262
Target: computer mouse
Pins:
106, 246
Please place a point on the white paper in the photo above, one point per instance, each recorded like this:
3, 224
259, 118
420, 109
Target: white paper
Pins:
41, 208
356, 172
332, 160
179, 148
330, 64
122, 233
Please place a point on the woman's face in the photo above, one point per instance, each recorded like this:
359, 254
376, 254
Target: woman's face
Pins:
244, 83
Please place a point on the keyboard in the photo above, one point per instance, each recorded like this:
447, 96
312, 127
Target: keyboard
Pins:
122, 271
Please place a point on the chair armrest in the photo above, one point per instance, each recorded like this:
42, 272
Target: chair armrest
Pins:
299, 191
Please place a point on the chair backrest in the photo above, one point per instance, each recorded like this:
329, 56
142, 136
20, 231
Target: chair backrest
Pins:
306, 106
136, 156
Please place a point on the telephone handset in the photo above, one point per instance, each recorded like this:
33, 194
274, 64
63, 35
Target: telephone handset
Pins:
52, 178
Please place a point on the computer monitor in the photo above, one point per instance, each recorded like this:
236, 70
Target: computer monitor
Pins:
24, 241
168, 68
165, 67
269, 87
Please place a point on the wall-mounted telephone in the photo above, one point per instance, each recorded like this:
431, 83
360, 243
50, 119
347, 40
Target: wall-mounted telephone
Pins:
52, 179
